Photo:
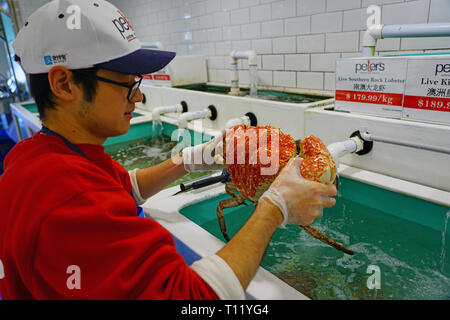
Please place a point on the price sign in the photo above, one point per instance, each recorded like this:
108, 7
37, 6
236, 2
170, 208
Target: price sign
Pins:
370, 85
427, 90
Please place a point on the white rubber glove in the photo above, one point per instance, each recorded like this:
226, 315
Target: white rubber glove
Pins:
206, 156
299, 200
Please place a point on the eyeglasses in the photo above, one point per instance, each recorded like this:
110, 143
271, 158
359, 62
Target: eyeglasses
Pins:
132, 88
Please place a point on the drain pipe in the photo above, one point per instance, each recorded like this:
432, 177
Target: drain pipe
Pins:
234, 57
370, 137
342, 148
178, 108
379, 31
249, 120
207, 113
353, 145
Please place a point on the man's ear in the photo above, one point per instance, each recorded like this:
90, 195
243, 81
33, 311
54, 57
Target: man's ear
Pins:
62, 85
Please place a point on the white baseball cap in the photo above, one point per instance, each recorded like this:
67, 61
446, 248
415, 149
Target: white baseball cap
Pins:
80, 34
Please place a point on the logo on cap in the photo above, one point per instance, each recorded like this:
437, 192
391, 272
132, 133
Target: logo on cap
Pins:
50, 60
124, 27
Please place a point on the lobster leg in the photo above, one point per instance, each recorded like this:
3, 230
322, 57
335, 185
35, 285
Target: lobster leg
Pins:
319, 235
227, 203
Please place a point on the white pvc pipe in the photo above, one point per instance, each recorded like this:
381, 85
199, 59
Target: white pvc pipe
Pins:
234, 56
342, 148
375, 32
158, 111
370, 137
189, 116
416, 30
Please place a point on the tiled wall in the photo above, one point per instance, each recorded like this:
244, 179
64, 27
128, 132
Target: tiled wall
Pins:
297, 41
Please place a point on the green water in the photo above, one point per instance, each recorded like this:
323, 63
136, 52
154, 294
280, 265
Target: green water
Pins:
146, 152
262, 94
413, 258
32, 107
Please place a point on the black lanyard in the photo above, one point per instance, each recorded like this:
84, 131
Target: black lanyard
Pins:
67, 142
71, 146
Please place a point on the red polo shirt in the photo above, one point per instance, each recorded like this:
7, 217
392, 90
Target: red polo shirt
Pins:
67, 220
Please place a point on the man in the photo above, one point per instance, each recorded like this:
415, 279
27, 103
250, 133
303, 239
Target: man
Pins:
68, 223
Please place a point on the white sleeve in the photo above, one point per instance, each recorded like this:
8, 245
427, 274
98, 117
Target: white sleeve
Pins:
135, 188
220, 277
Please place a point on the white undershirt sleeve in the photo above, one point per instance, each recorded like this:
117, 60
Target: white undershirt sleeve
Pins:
135, 188
220, 277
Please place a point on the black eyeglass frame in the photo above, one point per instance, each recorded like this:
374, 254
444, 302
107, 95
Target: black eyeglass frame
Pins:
134, 86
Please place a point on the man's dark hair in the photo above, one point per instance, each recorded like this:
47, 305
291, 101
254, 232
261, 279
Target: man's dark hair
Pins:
43, 95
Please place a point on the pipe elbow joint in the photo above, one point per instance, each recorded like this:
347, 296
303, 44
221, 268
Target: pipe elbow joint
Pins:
372, 34
156, 113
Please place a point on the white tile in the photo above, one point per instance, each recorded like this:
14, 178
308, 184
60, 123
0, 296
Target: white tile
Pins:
272, 29
284, 45
342, 42
326, 22
355, 20
232, 33
425, 43
223, 76
260, 13
273, 62
284, 79
330, 81
324, 61
311, 43
251, 31
192, 23
405, 13
213, 6
208, 48
229, 5
223, 48
221, 19
212, 75
265, 78
241, 45
297, 62
338, 5
309, 7
283, 9
200, 36
248, 3
310, 80
389, 44
206, 21
439, 11
262, 46
297, 26
215, 34
241, 16
244, 77
350, 54
198, 8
